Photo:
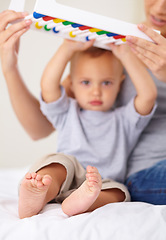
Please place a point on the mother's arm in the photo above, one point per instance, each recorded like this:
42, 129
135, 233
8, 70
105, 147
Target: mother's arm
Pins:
153, 55
25, 105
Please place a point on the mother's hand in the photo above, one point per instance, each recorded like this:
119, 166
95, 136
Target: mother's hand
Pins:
153, 55
9, 37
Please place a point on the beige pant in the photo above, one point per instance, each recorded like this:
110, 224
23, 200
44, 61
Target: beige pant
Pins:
76, 175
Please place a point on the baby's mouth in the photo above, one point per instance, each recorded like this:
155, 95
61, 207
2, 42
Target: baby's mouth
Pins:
96, 103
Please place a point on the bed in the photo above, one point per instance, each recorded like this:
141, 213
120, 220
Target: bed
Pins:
113, 222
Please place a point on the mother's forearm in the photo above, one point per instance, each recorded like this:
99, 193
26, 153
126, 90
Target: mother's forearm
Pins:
27, 107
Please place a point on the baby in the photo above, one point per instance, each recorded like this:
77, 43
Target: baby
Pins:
94, 138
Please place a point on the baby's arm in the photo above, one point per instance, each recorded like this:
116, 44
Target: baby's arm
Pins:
144, 85
50, 82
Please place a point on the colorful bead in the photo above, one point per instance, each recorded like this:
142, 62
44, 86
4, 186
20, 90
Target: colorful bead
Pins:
84, 28
38, 15
66, 23
123, 39
47, 18
75, 25
78, 29
72, 35
102, 32
47, 29
37, 25
94, 30
118, 37
54, 30
111, 34
58, 20
87, 38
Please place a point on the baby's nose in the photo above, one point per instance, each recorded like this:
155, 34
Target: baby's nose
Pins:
96, 90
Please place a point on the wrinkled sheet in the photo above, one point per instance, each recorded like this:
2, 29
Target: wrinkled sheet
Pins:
126, 221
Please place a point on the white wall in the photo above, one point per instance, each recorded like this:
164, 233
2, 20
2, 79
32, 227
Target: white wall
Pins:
16, 147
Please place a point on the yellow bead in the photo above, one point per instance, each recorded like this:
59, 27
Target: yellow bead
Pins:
71, 35
58, 20
94, 30
123, 39
37, 25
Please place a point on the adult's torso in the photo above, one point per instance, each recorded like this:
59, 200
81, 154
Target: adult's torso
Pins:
151, 147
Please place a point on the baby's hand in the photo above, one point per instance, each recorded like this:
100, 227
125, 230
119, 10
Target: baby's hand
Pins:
74, 46
120, 51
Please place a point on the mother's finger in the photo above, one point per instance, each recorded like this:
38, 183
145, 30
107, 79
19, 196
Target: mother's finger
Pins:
15, 37
158, 67
154, 56
142, 43
155, 36
9, 16
147, 46
14, 29
149, 63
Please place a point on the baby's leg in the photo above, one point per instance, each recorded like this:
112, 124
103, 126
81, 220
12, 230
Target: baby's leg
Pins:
39, 188
89, 196
81, 199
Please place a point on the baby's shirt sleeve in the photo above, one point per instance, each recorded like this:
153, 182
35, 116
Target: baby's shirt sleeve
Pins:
56, 111
134, 122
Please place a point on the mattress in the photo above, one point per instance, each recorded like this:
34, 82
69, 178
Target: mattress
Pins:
132, 220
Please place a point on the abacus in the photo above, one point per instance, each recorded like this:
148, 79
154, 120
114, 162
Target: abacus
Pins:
71, 23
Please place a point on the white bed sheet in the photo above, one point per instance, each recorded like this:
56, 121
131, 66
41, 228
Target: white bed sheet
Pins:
113, 222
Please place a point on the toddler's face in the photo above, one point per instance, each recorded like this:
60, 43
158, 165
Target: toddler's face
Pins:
96, 81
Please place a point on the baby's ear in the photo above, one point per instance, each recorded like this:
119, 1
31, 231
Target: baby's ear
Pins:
123, 77
67, 84
121, 81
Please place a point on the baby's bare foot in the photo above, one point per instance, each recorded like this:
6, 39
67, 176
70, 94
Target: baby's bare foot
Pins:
32, 194
81, 199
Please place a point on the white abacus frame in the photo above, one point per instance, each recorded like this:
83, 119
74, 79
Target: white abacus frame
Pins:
56, 10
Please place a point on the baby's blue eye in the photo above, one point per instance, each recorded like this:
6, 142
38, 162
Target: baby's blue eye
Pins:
85, 82
106, 83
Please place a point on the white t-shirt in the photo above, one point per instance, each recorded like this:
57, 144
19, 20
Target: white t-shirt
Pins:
101, 139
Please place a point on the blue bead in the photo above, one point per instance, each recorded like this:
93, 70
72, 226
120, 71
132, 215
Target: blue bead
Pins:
75, 25
111, 34
87, 38
38, 15
54, 30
